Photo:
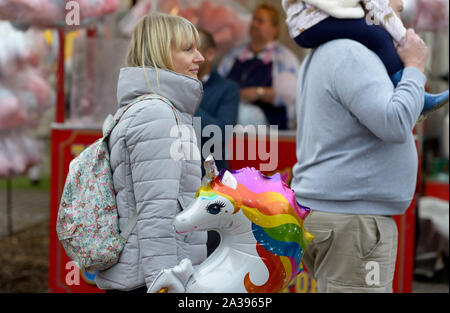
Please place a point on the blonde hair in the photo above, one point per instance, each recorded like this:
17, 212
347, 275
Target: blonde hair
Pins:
154, 37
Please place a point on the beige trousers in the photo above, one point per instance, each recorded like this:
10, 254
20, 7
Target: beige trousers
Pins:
351, 253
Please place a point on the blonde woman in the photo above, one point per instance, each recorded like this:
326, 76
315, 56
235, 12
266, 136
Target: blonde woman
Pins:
154, 177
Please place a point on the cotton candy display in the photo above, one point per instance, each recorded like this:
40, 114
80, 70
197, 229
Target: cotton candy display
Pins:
426, 15
25, 95
24, 92
12, 113
21, 152
432, 15
227, 21
128, 23
55, 12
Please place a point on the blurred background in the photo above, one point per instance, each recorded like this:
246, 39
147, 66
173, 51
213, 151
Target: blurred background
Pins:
58, 76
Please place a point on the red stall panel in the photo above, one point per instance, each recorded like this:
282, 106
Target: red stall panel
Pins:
66, 144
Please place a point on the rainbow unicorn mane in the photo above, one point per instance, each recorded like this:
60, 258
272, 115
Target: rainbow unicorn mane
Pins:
277, 223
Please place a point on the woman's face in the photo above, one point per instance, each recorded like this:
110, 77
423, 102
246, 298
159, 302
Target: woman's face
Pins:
187, 60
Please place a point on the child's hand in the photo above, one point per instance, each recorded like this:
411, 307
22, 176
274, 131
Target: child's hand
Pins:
413, 52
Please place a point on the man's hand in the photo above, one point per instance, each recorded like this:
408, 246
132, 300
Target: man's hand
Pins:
413, 52
251, 94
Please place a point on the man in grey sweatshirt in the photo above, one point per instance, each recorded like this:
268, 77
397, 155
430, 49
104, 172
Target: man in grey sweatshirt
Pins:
357, 160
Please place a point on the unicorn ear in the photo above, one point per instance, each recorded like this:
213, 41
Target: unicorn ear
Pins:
211, 171
229, 180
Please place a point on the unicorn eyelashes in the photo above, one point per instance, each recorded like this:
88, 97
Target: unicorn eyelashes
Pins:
262, 234
215, 208
213, 212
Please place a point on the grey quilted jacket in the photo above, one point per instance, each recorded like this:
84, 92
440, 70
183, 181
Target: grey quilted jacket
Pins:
155, 173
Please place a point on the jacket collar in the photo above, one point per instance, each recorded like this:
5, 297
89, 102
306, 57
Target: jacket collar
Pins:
183, 91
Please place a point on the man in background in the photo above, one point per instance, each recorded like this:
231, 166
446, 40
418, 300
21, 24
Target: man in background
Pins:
265, 70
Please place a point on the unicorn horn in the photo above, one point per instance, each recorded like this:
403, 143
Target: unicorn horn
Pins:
211, 171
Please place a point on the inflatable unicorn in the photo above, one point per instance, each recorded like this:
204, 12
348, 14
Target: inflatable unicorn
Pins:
262, 235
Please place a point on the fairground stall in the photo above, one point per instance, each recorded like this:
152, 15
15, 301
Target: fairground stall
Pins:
89, 62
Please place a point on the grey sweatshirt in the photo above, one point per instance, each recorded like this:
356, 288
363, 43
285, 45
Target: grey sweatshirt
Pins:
355, 147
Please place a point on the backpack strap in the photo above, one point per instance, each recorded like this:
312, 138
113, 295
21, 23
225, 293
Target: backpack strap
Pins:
132, 220
111, 121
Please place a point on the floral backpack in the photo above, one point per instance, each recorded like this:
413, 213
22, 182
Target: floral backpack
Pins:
88, 222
